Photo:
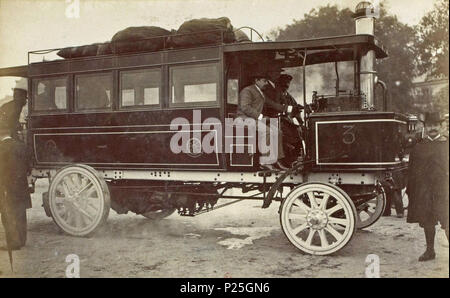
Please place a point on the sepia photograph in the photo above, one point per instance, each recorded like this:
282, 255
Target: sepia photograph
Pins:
201, 140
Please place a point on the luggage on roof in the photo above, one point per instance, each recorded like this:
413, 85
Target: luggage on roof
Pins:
203, 31
139, 39
81, 51
196, 32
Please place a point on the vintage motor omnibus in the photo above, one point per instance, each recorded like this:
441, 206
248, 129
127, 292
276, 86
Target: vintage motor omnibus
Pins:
99, 128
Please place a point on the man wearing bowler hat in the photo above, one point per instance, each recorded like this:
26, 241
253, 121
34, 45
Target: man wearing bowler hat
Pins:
14, 193
14, 165
427, 188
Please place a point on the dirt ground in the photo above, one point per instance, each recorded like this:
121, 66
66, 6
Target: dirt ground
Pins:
241, 240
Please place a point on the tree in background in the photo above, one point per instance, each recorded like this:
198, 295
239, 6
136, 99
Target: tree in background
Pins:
432, 41
397, 70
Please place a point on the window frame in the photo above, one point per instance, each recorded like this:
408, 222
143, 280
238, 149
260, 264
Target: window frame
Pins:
76, 109
33, 95
145, 106
215, 103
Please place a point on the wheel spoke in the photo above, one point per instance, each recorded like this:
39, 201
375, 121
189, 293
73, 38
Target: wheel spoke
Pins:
78, 223
333, 232
358, 215
333, 209
310, 236
65, 189
84, 188
340, 221
369, 213
323, 238
75, 178
90, 191
69, 182
85, 213
323, 204
301, 205
312, 199
297, 216
299, 229
90, 204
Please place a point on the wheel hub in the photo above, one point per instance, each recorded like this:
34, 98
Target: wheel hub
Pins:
317, 219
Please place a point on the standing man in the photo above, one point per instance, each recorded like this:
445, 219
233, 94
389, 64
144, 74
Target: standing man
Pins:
427, 187
14, 193
14, 164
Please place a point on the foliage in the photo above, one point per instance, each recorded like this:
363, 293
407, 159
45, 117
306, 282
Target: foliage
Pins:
441, 101
432, 41
397, 71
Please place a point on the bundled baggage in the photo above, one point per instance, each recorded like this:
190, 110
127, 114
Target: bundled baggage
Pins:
240, 36
139, 39
81, 51
196, 32
203, 31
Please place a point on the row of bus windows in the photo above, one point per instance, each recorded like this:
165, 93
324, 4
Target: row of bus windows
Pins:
188, 84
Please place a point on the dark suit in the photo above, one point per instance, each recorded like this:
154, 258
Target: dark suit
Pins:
10, 114
14, 194
427, 188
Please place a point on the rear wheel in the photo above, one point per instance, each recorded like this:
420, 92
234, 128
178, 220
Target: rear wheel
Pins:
79, 200
369, 212
318, 218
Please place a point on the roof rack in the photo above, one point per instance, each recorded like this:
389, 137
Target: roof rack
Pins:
167, 42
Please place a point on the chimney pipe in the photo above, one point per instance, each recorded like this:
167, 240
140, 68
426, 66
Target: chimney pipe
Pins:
364, 21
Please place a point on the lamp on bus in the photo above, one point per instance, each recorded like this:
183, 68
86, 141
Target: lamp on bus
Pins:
364, 16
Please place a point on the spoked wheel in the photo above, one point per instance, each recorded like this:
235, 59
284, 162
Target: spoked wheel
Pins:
79, 200
157, 211
318, 218
369, 212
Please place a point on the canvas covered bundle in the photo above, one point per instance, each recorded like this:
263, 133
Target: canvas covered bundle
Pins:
204, 31
196, 32
139, 39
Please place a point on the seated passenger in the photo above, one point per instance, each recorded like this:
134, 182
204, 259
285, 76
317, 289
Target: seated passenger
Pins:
282, 85
250, 106
292, 123
45, 101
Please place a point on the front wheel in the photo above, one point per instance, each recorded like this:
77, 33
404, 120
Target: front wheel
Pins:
79, 200
318, 218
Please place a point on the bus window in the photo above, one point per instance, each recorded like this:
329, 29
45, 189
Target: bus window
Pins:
140, 87
194, 84
93, 91
50, 94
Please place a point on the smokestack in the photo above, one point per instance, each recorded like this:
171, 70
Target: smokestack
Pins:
364, 21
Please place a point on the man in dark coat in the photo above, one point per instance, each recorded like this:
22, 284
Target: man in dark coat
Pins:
427, 188
14, 192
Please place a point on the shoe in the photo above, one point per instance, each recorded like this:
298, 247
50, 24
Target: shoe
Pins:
427, 256
400, 215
